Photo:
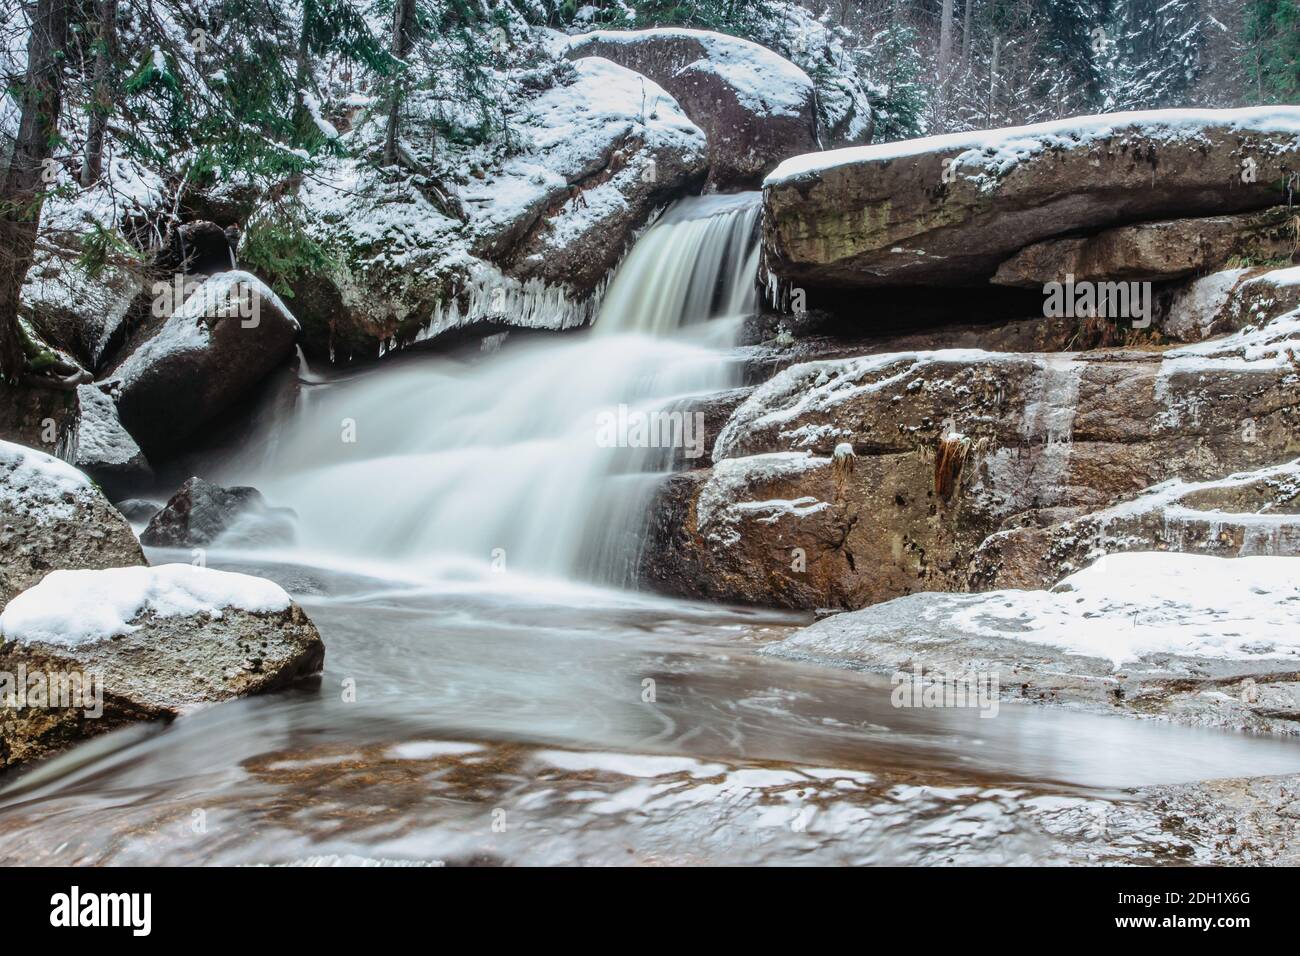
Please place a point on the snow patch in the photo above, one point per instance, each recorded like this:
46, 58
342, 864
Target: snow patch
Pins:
1127, 606
76, 608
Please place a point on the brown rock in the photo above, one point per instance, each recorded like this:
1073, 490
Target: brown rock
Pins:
1154, 251
1045, 435
952, 209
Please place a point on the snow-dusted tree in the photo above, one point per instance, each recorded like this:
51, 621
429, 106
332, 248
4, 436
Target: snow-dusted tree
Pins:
1153, 52
26, 174
400, 47
103, 89
1272, 50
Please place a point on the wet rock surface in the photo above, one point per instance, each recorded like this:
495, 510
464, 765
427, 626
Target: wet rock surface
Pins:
202, 512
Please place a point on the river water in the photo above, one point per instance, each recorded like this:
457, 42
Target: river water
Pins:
490, 694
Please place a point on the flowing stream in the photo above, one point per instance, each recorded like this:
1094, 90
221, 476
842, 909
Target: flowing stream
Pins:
492, 695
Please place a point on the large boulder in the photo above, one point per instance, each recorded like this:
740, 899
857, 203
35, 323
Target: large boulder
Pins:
52, 516
200, 513
1155, 251
951, 209
207, 355
1193, 639
103, 648
528, 239
756, 107
104, 448
851, 481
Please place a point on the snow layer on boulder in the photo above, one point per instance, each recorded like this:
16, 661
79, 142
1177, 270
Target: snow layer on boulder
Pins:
1122, 609
31, 481
186, 329
71, 608
571, 126
994, 153
101, 439
766, 83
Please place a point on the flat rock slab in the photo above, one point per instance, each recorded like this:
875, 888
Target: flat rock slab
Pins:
950, 209
1197, 640
1154, 251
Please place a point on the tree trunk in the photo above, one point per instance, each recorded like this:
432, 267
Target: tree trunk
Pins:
40, 98
303, 72
102, 97
945, 40
993, 80
403, 22
965, 36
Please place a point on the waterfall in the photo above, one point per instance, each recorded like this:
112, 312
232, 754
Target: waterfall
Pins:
450, 468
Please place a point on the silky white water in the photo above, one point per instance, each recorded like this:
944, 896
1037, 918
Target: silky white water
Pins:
524, 460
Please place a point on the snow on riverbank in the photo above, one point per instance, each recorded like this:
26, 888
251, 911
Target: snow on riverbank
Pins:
72, 608
1123, 609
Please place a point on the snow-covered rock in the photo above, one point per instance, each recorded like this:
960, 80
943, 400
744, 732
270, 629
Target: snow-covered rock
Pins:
596, 149
952, 446
1230, 300
70, 309
952, 208
105, 448
144, 644
53, 516
756, 107
1182, 636
604, 146
206, 355
1249, 513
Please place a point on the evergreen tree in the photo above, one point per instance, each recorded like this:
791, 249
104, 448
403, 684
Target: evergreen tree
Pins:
1272, 50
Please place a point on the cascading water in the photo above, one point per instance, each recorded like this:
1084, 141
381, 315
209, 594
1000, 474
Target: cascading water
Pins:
450, 468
